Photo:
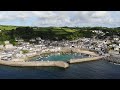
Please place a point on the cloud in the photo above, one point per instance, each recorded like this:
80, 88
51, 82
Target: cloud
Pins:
13, 15
61, 18
43, 14
98, 14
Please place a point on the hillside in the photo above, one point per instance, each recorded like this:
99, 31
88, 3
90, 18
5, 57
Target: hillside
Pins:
24, 32
8, 27
5, 27
53, 33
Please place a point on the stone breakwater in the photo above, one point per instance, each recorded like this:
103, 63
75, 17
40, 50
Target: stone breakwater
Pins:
35, 63
85, 59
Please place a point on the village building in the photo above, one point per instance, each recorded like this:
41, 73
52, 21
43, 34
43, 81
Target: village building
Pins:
8, 45
1, 46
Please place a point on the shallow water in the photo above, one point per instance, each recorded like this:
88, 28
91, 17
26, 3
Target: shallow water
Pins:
87, 70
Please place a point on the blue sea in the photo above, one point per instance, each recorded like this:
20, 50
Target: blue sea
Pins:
88, 70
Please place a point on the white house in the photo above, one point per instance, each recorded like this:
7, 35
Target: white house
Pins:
113, 52
9, 46
116, 48
1, 46
119, 44
116, 38
6, 42
114, 45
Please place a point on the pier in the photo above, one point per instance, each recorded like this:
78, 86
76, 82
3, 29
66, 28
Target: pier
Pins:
35, 63
85, 59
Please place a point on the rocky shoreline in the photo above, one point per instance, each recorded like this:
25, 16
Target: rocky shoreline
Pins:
113, 58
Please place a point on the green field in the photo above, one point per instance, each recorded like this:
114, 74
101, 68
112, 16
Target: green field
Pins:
57, 30
8, 27
2, 27
9, 32
69, 30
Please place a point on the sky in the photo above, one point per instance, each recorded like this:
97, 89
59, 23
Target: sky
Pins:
61, 18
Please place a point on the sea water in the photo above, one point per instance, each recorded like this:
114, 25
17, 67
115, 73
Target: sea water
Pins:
100, 69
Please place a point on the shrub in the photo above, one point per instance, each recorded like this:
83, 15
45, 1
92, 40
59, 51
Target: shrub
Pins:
25, 51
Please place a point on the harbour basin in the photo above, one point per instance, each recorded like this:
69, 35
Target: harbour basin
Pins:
59, 57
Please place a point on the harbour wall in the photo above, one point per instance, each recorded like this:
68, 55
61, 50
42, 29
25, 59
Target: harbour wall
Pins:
85, 59
35, 63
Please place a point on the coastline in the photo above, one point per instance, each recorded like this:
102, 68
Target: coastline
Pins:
115, 60
25, 61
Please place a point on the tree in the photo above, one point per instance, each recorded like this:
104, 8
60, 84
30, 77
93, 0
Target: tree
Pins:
24, 32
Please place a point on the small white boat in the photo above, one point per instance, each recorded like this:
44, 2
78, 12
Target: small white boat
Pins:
116, 63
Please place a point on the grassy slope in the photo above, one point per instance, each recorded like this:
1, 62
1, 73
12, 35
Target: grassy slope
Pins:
7, 27
55, 29
58, 31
